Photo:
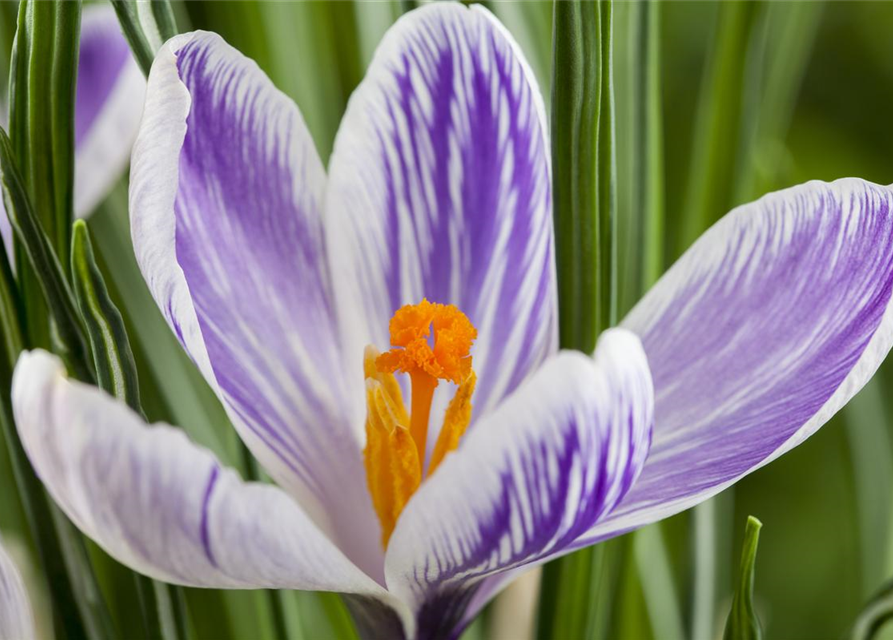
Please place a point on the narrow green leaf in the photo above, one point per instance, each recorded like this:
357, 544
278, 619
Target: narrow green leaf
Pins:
42, 89
743, 623
146, 24
112, 356
45, 266
133, 31
163, 16
647, 223
578, 589
718, 121
606, 164
584, 170
43, 112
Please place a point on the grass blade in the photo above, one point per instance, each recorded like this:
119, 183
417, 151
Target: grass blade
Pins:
743, 623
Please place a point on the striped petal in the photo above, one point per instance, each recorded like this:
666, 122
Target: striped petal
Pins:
536, 473
162, 505
110, 90
225, 207
766, 327
16, 619
439, 189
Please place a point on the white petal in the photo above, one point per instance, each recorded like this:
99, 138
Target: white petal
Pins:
760, 333
16, 619
162, 505
534, 475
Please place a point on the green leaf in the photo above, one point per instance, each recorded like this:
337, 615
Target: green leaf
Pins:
584, 187
583, 171
147, 24
743, 623
45, 266
646, 246
112, 356
42, 92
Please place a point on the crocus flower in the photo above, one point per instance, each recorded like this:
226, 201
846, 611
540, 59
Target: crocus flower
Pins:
383, 337
16, 619
108, 99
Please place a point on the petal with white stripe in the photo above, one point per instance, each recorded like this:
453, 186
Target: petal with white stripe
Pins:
766, 327
536, 473
162, 505
225, 197
439, 189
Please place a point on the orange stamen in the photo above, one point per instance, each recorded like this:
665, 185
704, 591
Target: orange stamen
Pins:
432, 343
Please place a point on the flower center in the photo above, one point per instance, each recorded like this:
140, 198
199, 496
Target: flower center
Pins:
431, 343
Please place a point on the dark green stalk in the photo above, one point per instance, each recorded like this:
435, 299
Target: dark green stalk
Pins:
42, 89
576, 105
133, 32
109, 345
584, 182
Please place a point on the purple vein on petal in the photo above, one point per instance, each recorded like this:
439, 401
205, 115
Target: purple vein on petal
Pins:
206, 501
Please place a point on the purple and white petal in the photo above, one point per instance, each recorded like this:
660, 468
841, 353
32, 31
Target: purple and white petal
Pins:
16, 618
536, 473
110, 93
439, 188
766, 327
225, 198
161, 504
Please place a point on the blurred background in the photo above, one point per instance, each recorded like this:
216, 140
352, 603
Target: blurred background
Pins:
755, 96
